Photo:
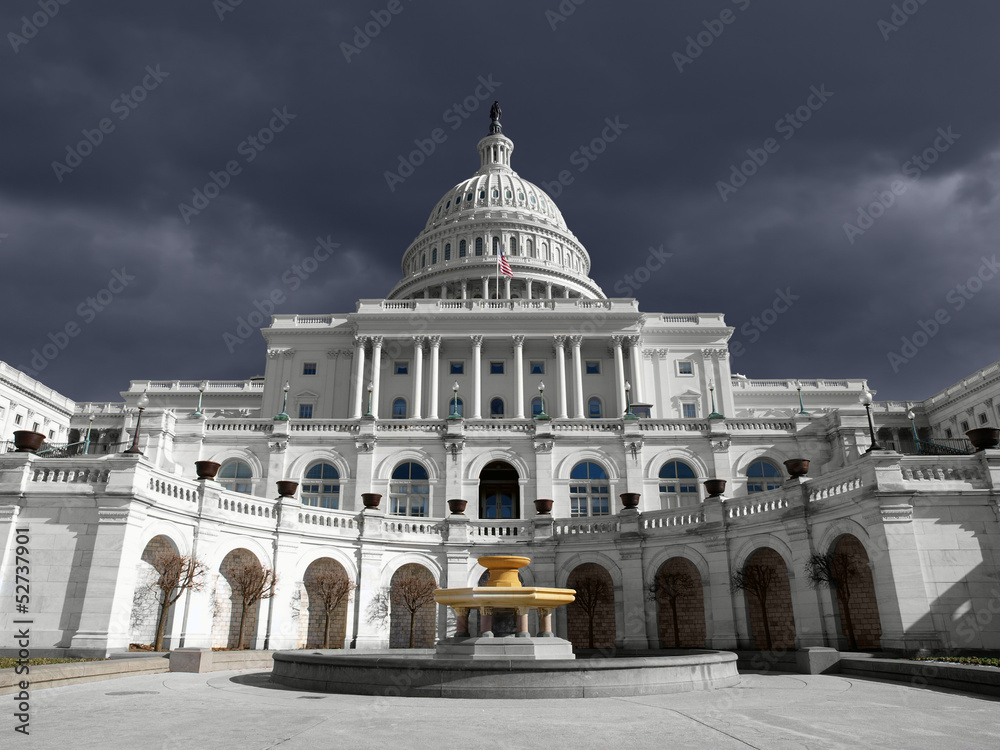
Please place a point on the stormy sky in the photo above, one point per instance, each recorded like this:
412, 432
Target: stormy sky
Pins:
751, 141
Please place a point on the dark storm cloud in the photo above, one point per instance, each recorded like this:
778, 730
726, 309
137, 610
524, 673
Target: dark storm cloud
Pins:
561, 76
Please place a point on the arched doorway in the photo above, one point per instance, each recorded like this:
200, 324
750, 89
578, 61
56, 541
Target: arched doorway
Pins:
229, 619
680, 604
327, 590
769, 600
146, 598
591, 617
499, 491
857, 608
412, 610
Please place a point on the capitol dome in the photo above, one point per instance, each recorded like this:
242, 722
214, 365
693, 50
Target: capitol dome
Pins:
455, 256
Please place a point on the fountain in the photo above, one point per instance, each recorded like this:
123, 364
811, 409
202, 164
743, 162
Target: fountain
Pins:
515, 666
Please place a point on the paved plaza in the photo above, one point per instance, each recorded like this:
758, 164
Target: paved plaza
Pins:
177, 711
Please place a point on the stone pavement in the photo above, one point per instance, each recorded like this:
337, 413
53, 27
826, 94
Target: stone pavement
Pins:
177, 711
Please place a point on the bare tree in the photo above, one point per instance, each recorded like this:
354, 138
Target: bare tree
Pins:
330, 588
671, 588
176, 574
758, 581
411, 591
591, 593
838, 571
252, 582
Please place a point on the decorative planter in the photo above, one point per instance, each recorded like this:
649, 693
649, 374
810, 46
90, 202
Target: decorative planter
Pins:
982, 438
206, 469
543, 506
371, 499
715, 487
797, 467
457, 507
28, 441
287, 488
630, 499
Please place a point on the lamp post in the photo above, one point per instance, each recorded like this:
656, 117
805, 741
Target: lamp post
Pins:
866, 399
913, 425
371, 389
142, 403
201, 392
628, 402
798, 387
454, 402
711, 391
541, 397
86, 440
283, 416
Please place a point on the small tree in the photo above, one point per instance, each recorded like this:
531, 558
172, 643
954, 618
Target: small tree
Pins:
591, 593
671, 587
176, 574
838, 571
758, 581
411, 591
252, 582
330, 588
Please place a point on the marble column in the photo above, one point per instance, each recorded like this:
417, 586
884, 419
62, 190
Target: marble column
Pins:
635, 358
519, 377
477, 377
418, 377
359, 376
432, 408
616, 342
560, 343
376, 372
575, 342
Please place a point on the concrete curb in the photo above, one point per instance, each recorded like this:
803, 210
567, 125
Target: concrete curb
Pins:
968, 678
74, 673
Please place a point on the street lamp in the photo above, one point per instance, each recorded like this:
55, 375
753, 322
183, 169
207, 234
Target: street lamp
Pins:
541, 397
142, 403
201, 392
283, 416
86, 440
913, 424
711, 390
371, 389
628, 402
798, 387
454, 402
866, 399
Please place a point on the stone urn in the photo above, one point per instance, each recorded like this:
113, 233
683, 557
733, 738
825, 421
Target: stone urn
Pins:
457, 507
287, 488
797, 467
630, 499
206, 469
371, 499
982, 438
28, 441
715, 487
543, 506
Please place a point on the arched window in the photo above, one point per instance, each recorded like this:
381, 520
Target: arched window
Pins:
536, 406
589, 490
594, 408
447, 251
479, 245
496, 408
409, 491
678, 485
762, 476
513, 245
399, 408
461, 249
434, 256
321, 486
529, 248
496, 245
235, 475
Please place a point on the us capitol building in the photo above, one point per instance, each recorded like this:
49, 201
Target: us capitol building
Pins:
574, 429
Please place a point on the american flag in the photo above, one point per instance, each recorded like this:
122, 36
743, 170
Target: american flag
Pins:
505, 268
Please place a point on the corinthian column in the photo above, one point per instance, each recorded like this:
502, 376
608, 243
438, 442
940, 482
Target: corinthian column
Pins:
477, 377
432, 409
519, 377
575, 342
418, 377
560, 343
359, 376
376, 372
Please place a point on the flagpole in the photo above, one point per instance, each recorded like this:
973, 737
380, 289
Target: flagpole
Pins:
499, 250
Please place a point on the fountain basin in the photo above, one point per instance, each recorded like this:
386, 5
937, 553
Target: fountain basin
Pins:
530, 597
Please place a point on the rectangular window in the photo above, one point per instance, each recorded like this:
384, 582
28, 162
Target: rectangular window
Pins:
402, 368
965, 427
308, 368
947, 432
305, 411
982, 419
52, 434
35, 427
685, 367
496, 368
593, 368
537, 368
18, 419
690, 411
458, 368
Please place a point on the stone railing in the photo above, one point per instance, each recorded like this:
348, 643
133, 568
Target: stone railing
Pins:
673, 425
756, 504
847, 481
324, 425
484, 532
760, 425
64, 472
672, 519
172, 487
400, 425
247, 508
499, 425
587, 425
586, 526
414, 527
340, 522
960, 472
239, 425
